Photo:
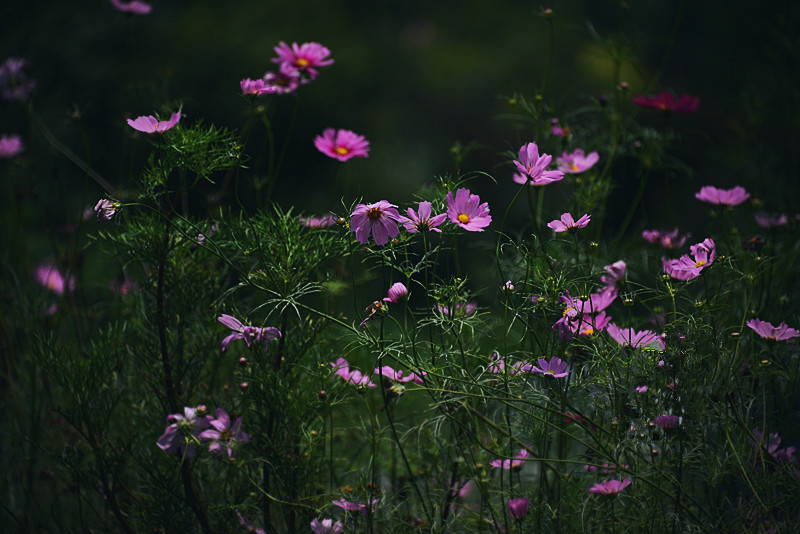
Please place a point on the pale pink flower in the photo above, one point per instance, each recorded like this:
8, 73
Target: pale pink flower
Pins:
775, 333
342, 144
304, 57
397, 293
419, 222
567, 223
134, 7
628, 337
724, 197
224, 437
669, 240
378, 219
774, 220
150, 125
533, 166
576, 162
666, 101
610, 487
10, 146
48, 275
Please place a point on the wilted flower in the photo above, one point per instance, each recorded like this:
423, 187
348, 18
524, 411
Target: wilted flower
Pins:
10, 146
567, 223
397, 293
342, 144
517, 508
48, 275
629, 337
376, 309
223, 436
135, 7
379, 219
666, 101
688, 268
724, 197
610, 487
556, 367
304, 57
14, 81
533, 167
250, 334
666, 421
467, 212
576, 162
105, 210
669, 240
327, 526
151, 125
774, 220
775, 333
419, 222
183, 431
516, 462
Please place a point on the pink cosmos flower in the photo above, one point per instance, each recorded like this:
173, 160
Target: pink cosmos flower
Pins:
419, 222
616, 274
687, 267
342, 144
770, 446
353, 376
105, 210
666, 101
724, 197
460, 309
10, 146
577, 162
666, 421
223, 436
250, 334
641, 390
151, 125
669, 240
319, 222
532, 166
611, 487
591, 324
304, 57
327, 526
134, 7
628, 337
379, 219
467, 212
14, 81
283, 82
517, 462
556, 367
567, 223
255, 87
764, 220
517, 508
398, 376
558, 130
48, 275
376, 309
354, 506
183, 431
775, 333
397, 293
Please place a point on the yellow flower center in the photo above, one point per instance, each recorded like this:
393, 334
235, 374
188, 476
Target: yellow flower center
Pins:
342, 151
302, 62
699, 264
373, 214
574, 167
566, 310
463, 217
550, 371
588, 331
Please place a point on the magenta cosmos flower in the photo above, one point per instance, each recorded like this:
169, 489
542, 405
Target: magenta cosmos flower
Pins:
723, 197
419, 222
134, 7
14, 81
689, 267
327, 526
283, 82
10, 146
567, 223
151, 125
616, 274
666, 101
224, 437
517, 508
254, 87
628, 337
610, 487
556, 367
250, 334
666, 421
399, 376
378, 219
48, 275
775, 333
342, 144
669, 240
397, 293
533, 167
576, 162
105, 210
517, 462
353, 376
304, 57
763, 219
183, 431
467, 211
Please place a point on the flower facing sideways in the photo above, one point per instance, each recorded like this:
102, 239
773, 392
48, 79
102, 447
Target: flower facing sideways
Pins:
515, 463
379, 219
769, 221
687, 267
224, 437
723, 197
420, 221
342, 144
397, 293
533, 167
250, 334
576, 162
467, 212
567, 223
517, 508
150, 125
611, 487
775, 333
105, 210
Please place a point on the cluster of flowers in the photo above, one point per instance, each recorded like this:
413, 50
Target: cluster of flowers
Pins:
297, 64
192, 427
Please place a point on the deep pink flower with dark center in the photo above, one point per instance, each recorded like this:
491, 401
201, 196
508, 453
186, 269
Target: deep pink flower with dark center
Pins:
250, 334
666, 421
669, 240
397, 293
378, 219
467, 211
533, 166
10, 146
687, 267
556, 367
14, 81
666, 101
304, 57
611, 487
399, 376
150, 125
224, 437
774, 220
327, 526
183, 431
567, 223
135, 7
419, 222
342, 144
775, 333
722, 197
48, 275
517, 508
576, 162
515, 463
628, 337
